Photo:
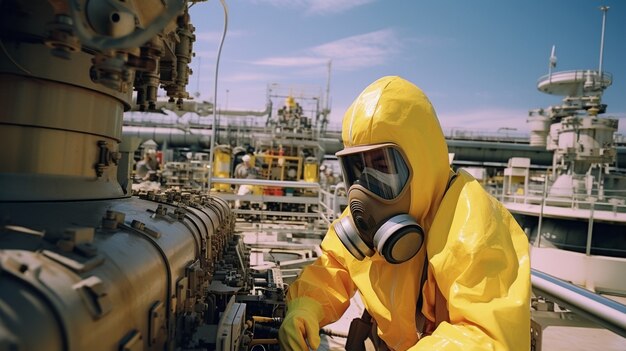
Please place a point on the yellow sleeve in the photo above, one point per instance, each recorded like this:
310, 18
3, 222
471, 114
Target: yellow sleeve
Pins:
326, 280
482, 269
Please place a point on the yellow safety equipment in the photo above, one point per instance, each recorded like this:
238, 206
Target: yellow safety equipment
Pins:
477, 254
311, 173
301, 322
221, 166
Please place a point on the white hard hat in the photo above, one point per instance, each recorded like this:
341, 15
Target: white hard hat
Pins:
245, 158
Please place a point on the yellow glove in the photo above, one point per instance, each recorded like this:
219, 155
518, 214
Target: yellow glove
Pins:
300, 323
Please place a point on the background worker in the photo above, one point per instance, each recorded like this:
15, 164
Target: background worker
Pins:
330, 177
244, 170
147, 168
439, 263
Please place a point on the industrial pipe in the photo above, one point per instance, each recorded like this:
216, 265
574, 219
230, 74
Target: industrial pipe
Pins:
599, 309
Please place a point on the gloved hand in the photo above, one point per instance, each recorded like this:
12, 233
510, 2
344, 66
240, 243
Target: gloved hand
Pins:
301, 322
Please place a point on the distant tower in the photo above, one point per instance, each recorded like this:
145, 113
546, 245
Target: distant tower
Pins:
582, 141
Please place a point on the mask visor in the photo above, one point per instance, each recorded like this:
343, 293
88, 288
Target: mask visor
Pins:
381, 169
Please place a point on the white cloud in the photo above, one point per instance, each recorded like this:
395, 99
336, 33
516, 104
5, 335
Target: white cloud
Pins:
360, 51
347, 54
430, 41
282, 3
334, 6
209, 36
316, 7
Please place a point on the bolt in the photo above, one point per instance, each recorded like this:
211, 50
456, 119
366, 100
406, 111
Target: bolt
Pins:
137, 224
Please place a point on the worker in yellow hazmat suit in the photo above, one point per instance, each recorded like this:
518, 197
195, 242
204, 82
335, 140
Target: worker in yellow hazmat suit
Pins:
410, 215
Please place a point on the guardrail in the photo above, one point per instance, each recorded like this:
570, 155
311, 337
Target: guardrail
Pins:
332, 203
310, 203
544, 201
599, 309
577, 75
507, 135
609, 200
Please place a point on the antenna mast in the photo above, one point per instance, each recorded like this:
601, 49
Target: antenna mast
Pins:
552, 63
328, 87
604, 10
198, 77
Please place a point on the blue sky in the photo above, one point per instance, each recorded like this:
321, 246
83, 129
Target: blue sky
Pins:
478, 61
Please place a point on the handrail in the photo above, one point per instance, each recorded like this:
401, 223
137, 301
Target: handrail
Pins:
605, 75
597, 308
330, 204
326, 210
308, 203
265, 182
612, 198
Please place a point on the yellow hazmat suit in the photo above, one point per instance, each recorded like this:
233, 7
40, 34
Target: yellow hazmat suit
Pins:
478, 255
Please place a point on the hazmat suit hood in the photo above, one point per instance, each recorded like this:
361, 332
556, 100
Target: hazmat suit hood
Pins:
393, 110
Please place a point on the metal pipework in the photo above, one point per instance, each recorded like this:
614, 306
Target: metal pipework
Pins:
174, 68
202, 109
147, 81
125, 278
597, 308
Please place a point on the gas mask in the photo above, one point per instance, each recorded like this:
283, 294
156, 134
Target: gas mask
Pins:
378, 180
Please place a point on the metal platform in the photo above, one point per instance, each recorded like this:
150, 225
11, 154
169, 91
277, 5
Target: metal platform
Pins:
574, 83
